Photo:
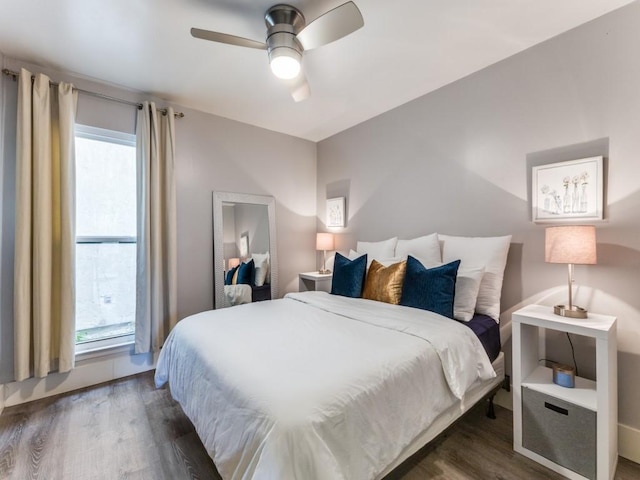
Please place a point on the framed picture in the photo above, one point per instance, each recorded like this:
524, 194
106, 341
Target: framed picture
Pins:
335, 212
244, 245
566, 191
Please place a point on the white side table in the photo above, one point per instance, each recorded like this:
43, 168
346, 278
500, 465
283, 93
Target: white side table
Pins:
560, 413
311, 281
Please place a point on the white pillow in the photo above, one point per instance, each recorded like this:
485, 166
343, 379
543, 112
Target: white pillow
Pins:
467, 287
426, 249
383, 249
261, 261
475, 252
353, 255
330, 262
384, 261
387, 262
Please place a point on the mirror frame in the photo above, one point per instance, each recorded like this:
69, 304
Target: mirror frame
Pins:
218, 240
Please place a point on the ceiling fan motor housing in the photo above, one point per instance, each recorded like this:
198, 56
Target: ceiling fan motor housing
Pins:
284, 22
288, 36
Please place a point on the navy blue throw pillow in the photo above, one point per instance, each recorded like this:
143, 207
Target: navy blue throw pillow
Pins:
229, 276
245, 273
348, 276
430, 289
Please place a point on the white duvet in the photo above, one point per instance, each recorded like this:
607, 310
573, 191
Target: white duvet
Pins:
237, 294
316, 386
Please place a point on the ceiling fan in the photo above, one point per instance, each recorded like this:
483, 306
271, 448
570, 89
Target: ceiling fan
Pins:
288, 36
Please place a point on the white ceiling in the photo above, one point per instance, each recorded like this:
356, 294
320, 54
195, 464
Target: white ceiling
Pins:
406, 49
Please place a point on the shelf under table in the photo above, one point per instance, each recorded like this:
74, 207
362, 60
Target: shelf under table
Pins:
584, 394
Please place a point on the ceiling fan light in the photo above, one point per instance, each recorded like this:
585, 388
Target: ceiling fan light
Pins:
285, 64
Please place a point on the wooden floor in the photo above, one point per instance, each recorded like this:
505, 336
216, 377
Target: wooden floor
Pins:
127, 429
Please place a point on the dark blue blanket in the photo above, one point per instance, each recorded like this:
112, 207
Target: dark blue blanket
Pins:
488, 331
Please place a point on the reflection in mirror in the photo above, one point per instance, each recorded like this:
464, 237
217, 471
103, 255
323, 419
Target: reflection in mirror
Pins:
244, 248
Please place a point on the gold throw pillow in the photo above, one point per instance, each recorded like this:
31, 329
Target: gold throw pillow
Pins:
384, 284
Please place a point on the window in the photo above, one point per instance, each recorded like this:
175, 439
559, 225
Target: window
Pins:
105, 238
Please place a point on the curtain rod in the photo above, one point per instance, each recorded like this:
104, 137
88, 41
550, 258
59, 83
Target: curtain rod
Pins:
11, 73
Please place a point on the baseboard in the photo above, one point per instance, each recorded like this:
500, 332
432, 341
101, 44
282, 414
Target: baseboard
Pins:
87, 373
629, 443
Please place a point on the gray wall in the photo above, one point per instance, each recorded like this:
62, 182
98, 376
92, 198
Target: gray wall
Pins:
219, 154
241, 218
231, 249
253, 220
458, 161
212, 153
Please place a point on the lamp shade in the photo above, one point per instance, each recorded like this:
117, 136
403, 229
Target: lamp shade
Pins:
324, 241
575, 244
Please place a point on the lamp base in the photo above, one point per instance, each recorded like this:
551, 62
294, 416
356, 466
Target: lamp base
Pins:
324, 271
571, 312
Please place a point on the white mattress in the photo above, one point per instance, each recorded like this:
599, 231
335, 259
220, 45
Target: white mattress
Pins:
317, 386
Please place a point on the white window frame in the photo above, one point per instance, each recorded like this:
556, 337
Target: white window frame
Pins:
111, 345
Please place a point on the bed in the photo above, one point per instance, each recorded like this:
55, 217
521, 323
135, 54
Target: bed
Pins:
345, 385
321, 386
249, 281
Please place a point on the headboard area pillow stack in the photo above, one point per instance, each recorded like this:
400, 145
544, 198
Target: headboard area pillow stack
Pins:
384, 283
253, 271
378, 250
458, 280
245, 273
348, 276
430, 289
488, 253
425, 249
262, 270
467, 288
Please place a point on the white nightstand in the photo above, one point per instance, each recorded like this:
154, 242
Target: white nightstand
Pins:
564, 428
311, 281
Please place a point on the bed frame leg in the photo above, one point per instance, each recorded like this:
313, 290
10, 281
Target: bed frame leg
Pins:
491, 413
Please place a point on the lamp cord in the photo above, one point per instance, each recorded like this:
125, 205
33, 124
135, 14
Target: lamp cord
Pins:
573, 353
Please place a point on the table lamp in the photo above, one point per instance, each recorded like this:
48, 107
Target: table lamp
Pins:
570, 244
324, 242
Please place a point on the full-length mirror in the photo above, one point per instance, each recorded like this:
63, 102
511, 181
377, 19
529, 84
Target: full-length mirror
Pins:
244, 248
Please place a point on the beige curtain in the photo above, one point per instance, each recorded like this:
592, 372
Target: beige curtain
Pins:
156, 286
44, 293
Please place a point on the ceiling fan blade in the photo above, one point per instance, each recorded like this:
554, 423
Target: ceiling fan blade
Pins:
299, 87
331, 26
226, 38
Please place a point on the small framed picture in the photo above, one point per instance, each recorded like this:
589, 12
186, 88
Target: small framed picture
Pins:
566, 191
335, 212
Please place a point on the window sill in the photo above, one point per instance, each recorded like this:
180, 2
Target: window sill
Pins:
88, 351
